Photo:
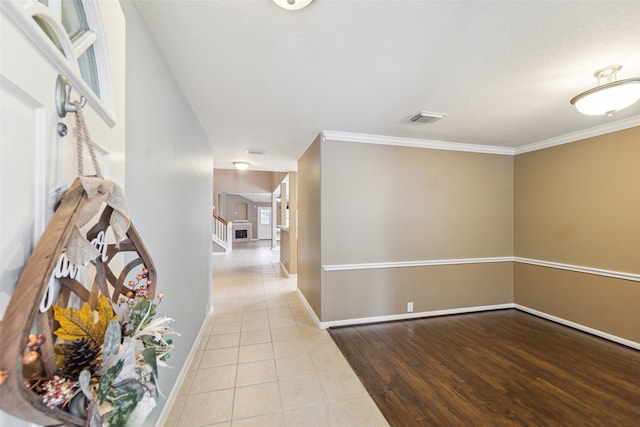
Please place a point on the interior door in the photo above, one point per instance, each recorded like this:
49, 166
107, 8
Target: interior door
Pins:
28, 119
264, 222
37, 162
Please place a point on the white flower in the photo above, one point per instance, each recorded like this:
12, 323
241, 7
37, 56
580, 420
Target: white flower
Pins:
156, 328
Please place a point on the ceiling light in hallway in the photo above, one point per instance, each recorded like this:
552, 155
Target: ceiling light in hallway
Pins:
241, 165
292, 4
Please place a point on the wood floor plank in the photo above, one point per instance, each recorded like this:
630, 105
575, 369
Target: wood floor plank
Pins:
498, 368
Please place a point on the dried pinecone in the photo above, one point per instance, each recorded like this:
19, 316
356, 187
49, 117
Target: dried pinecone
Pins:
77, 356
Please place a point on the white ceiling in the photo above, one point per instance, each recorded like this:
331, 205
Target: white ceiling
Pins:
259, 76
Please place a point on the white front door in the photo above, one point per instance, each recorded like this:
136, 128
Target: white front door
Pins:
264, 222
36, 162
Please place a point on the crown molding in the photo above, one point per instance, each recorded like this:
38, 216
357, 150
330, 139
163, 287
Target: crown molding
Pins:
415, 143
486, 149
581, 134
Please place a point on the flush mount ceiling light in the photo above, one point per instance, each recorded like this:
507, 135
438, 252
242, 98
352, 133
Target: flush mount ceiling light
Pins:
608, 97
241, 165
292, 4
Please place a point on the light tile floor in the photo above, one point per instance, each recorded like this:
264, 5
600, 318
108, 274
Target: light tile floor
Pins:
263, 361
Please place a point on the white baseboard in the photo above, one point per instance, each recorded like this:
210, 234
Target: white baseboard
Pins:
407, 316
286, 272
579, 327
162, 419
309, 309
392, 317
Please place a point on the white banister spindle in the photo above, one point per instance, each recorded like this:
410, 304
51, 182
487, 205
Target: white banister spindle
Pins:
222, 233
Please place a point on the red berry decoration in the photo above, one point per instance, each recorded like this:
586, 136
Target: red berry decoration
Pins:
40, 339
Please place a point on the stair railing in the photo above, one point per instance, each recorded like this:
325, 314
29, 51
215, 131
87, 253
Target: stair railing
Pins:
222, 233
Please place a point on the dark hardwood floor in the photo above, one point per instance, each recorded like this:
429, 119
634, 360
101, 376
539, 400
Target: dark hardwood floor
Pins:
497, 368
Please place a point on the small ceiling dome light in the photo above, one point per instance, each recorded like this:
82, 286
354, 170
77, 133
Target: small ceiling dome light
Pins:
292, 4
610, 95
241, 165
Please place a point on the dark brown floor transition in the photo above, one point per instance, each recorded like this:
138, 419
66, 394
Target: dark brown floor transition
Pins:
497, 368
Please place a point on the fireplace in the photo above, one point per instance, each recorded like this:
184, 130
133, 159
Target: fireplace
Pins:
241, 231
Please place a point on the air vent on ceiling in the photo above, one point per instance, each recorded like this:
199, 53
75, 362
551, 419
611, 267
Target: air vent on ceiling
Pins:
426, 117
258, 151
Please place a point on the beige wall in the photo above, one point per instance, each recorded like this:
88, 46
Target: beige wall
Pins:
575, 204
383, 203
227, 210
285, 249
247, 181
603, 303
579, 204
390, 204
384, 292
309, 225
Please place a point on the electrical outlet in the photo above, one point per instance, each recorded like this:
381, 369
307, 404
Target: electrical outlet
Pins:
409, 307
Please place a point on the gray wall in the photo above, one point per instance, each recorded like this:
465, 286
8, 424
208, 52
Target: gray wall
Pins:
169, 171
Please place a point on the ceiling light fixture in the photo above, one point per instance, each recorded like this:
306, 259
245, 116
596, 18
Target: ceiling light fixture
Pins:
292, 4
241, 165
608, 97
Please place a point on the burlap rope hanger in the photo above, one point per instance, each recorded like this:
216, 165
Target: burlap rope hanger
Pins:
98, 190
82, 136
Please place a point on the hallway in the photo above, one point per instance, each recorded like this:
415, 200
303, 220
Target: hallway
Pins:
262, 360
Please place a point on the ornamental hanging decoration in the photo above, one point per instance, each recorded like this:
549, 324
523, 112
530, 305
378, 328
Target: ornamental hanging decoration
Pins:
81, 343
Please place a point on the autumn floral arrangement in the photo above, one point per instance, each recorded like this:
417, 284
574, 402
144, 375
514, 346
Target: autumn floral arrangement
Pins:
107, 358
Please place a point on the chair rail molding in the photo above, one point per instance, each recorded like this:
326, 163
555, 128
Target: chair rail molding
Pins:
634, 277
